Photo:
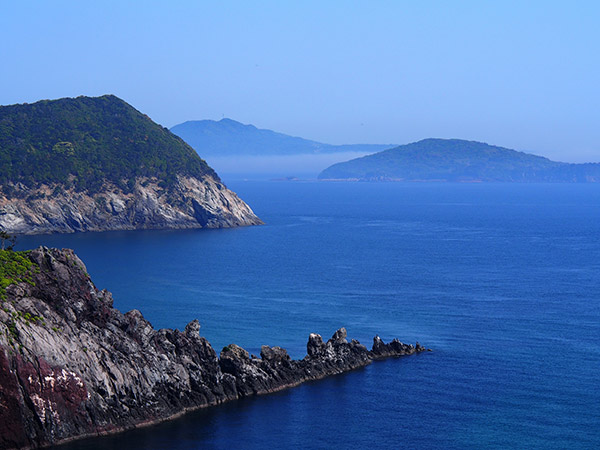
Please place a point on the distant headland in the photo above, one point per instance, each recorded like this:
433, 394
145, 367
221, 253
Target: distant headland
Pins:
458, 160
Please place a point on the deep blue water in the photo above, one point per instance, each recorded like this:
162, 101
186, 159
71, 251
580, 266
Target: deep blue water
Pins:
501, 280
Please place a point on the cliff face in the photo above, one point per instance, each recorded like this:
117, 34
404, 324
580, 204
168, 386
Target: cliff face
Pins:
189, 203
71, 365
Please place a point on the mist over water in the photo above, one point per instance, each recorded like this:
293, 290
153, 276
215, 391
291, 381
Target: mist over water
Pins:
267, 167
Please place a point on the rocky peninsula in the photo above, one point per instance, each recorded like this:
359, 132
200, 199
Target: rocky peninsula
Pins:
72, 366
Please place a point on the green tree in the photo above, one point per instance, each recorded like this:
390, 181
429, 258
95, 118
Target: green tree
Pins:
9, 239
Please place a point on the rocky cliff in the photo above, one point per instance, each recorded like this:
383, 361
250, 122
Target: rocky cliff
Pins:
189, 203
71, 365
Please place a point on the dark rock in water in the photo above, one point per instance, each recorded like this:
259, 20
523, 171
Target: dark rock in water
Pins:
395, 348
71, 365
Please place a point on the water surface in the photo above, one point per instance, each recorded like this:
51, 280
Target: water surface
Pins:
501, 280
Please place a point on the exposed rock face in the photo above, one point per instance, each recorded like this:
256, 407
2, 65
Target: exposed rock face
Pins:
191, 203
71, 365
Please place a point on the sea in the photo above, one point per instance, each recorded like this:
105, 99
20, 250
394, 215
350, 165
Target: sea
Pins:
501, 281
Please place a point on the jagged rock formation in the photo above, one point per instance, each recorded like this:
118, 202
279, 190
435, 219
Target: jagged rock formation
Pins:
94, 164
71, 365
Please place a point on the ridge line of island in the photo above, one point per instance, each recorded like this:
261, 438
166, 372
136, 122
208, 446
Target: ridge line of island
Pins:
73, 366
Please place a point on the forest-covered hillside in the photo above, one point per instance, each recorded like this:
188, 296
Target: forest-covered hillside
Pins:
81, 142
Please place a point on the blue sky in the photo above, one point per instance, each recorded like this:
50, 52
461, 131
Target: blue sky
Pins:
520, 74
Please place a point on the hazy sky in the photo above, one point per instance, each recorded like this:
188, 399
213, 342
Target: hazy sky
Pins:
522, 74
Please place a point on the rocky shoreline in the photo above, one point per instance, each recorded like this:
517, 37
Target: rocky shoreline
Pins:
72, 366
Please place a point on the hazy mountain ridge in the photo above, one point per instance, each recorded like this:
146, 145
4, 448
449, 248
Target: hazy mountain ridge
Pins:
228, 137
459, 160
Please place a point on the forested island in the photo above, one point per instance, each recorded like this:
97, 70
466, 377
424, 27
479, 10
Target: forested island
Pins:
459, 161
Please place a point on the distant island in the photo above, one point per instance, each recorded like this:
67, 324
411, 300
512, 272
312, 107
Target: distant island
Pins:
458, 160
227, 137
93, 164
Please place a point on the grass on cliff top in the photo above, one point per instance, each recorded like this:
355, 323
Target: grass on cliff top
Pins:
15, 267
